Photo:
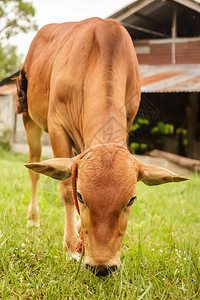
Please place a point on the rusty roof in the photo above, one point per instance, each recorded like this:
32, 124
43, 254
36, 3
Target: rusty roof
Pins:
154, 79
170, 79
8, 89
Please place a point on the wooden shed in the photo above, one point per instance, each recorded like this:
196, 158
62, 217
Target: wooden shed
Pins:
166, 36
7, 115
11, 122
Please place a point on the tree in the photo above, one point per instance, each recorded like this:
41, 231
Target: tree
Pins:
15, 16
9, 61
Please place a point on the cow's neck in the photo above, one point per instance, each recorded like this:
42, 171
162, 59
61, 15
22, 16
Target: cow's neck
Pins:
104, 113
106, 126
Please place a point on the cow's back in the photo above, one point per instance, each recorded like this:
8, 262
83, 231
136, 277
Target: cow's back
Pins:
75, 65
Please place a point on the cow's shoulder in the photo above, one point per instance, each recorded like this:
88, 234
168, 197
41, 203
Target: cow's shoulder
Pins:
112, 38
50, 33
45, 44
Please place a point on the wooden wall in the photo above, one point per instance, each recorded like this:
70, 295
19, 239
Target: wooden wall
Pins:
160, 52
6, 113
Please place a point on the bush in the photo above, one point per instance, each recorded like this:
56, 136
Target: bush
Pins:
5, 140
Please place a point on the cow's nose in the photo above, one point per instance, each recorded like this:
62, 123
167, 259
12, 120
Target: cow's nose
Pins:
101, 270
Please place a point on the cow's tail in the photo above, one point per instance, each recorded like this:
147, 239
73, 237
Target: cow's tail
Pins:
21, 99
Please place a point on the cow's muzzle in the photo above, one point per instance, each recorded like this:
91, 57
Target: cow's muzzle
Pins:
101, 270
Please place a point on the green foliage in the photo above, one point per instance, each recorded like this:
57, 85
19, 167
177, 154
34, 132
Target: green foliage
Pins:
5, 140
137, 146
160, 256
16, 16
163, 128
9, 61
181, 131
137, 123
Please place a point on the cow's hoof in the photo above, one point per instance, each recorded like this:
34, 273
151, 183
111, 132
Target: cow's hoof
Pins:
32, 223
33, 217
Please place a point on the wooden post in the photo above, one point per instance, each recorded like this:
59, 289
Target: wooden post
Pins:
14, 123
192, 113
174, 33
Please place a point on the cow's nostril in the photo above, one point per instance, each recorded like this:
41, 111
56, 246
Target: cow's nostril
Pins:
101, 270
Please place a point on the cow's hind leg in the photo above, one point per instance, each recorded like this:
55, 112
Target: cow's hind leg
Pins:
34, 137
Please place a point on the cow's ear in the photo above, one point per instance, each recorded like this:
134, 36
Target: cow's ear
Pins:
57, 168
153, 175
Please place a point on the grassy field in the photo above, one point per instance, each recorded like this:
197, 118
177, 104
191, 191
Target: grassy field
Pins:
160, 254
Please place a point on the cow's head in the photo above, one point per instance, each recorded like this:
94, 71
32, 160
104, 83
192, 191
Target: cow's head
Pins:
106, 189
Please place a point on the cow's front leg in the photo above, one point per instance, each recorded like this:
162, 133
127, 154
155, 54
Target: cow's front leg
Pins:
61, 145
70, 231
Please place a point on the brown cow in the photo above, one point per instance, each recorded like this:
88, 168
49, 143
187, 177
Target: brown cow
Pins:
81, 83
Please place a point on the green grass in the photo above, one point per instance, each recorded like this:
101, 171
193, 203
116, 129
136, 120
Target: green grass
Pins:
160, 254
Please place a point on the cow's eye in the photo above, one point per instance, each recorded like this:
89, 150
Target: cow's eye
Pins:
80, 197
132, 200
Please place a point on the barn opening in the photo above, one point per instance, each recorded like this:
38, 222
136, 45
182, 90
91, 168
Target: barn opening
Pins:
166, 36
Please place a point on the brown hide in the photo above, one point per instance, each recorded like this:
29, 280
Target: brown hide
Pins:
86, 75
84, 89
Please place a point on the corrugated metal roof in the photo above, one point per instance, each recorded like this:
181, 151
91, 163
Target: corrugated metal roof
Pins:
10, 76
155, 79
170, 79
8, 89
